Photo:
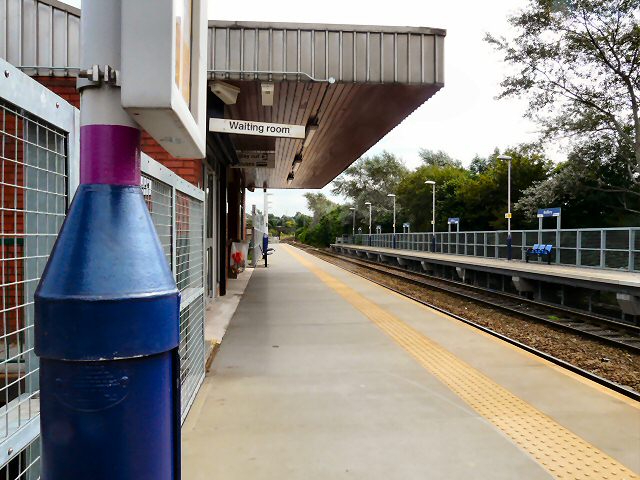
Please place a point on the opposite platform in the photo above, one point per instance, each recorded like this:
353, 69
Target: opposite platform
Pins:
325, 375
587, 277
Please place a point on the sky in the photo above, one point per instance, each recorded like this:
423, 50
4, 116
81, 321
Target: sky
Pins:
463, 119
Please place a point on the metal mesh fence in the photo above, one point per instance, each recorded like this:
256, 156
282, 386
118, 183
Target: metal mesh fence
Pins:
191, 351
189, 278
613, 248
33, 193
24, 465
159, 199
189, 243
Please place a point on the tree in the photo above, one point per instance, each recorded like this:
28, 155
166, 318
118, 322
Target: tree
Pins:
578, 63
574, 185
484, 196
319, 204
438, 159
416, 197
371, 179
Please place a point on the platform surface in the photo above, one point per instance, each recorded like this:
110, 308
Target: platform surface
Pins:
324, 375
538, 269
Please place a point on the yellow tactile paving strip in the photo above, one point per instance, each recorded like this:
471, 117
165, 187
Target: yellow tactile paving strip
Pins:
562, 453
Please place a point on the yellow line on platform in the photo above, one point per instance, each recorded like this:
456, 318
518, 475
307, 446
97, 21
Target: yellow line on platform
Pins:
561, 452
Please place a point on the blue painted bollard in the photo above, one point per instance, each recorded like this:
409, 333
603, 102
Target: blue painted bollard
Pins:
107, 332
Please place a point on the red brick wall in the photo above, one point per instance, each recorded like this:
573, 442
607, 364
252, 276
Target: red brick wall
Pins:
12, 247
189, 169
63, 86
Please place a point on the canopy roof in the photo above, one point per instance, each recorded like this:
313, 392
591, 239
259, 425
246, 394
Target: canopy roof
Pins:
380, 75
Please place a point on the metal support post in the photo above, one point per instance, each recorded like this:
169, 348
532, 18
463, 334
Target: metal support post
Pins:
632, 243
540, 230
509, 251
265, 235
107, 306
558, 241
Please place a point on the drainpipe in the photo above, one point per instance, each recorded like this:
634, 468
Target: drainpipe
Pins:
107, 306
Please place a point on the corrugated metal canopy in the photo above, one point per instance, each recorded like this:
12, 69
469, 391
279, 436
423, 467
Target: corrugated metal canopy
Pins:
381, 75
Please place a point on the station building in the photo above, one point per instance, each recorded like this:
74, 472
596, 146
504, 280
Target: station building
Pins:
343, 86
347, 85
337, 376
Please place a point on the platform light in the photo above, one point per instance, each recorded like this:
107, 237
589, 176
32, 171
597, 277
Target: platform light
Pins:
508, 158
226, 92
353, 209
297, 161
267, 89
393, 195
369, 203
433, 214
311, 130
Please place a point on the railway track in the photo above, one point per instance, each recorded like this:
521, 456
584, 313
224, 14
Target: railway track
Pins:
602, 329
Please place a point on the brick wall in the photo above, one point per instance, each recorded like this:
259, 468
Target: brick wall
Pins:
189, 169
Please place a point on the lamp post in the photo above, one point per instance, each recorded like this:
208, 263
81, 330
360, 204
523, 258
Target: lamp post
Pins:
393, 195
369, 237
508, 215
353, 230
433, 214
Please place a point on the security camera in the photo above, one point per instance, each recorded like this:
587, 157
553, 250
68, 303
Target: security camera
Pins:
225, 92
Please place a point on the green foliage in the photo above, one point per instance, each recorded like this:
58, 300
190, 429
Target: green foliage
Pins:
416, 197
331, 225
319, 204
477, 195
590, 189
438, 159
484, 197
578, 64
371, 179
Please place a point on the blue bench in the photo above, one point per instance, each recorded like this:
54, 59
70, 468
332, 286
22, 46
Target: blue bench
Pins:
540, 250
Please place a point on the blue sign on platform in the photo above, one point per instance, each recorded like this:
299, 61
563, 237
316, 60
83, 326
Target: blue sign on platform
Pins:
453, 221
549, 212
405, 225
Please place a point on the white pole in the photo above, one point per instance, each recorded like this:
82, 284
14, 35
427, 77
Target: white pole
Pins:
394, 215
266, 212
509, 201
354, 222
433, 212
100, 32
369, 219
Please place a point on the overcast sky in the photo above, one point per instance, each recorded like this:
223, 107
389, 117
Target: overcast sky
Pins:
462, 119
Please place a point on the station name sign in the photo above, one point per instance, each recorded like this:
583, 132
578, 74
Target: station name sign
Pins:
453, 221
263, 129
549, 212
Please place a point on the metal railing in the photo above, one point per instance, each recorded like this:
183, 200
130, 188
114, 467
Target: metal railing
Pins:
611, 248
39, 173
38, 170
177, 212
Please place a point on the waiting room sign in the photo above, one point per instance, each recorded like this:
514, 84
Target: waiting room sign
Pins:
245, 127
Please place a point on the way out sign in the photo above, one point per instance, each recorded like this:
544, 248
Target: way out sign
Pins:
263, 129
